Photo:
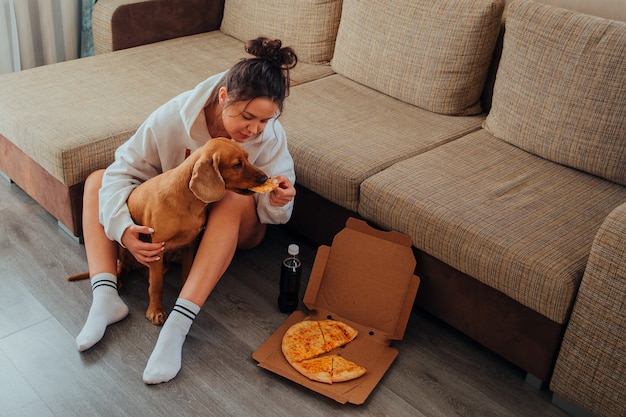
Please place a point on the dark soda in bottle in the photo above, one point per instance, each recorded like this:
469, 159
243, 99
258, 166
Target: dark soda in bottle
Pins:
290, 273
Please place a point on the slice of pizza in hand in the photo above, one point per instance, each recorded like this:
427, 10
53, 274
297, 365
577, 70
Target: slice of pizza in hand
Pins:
266, 187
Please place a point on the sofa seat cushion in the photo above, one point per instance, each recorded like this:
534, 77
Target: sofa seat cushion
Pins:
514, 221
341, 132
308, 26
560, 91
433, 54
70, 117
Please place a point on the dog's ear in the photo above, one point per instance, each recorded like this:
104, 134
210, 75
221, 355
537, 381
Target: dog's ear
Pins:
206, 181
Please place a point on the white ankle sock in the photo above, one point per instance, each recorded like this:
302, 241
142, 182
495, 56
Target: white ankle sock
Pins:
166, 358
106, 308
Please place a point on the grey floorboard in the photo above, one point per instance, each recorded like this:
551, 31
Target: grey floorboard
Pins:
439, 372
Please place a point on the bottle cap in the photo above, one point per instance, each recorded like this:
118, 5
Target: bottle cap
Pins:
293, 249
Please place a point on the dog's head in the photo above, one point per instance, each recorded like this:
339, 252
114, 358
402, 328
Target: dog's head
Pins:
223, 165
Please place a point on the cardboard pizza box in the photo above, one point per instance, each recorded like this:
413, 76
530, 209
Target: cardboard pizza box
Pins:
366, 280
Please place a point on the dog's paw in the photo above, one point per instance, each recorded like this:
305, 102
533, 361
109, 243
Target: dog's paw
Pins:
156, 316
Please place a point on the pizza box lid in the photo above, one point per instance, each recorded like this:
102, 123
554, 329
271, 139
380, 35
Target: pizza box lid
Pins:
366, 280
365, 277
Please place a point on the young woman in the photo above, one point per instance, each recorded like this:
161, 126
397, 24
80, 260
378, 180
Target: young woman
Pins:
242, 104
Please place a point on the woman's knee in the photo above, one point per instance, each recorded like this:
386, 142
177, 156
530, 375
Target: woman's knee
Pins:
252, 237
91, 198
93, 182
233, 204
241, 212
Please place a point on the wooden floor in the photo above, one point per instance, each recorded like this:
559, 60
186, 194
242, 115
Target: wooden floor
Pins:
439, 372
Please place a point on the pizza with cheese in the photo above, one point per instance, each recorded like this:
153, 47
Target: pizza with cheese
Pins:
317, 369
336, 334
345, 370
266, 187
305, 343
329, 369
303, 340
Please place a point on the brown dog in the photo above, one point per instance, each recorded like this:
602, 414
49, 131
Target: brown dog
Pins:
174, 204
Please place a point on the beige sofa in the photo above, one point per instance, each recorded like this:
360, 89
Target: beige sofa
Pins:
505, 183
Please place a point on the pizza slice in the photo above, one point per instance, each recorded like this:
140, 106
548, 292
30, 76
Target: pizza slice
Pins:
266, 187
336, 334
329, 369
303, 340
345, 370
316, 369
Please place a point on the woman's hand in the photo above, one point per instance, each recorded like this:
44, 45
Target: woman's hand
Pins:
144, 252
284, 193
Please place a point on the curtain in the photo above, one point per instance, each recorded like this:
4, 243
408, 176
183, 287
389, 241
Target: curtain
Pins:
86, 34
38, 32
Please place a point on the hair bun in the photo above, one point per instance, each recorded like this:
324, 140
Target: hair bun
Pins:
272, 50
272, 44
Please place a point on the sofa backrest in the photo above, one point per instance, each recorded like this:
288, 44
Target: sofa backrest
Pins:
559, 91
308, 26
608, 9
433, 54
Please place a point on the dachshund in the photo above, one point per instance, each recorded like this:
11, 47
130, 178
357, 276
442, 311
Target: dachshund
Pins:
175, 203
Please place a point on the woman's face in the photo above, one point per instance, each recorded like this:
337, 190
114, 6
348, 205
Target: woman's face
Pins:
245, 119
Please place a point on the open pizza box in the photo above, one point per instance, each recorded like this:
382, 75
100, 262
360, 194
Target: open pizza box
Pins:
365, 279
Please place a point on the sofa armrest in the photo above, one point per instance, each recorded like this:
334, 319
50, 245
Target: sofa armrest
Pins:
590, 367
121, 24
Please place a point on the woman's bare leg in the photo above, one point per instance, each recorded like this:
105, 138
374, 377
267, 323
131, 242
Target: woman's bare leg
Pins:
101, 252
107, 307
233, 223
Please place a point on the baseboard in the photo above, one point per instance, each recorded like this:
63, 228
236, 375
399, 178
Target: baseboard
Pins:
6, 177
77, 239
570, 407
536, 382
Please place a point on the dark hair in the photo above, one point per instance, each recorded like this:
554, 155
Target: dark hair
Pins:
266, 74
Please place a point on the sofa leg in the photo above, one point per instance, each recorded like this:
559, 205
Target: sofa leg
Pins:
78, 239
569, 407
535, 382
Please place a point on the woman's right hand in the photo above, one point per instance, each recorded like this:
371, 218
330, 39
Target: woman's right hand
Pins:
144, 252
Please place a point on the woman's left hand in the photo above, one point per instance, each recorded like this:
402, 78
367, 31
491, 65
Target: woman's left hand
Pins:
284, 193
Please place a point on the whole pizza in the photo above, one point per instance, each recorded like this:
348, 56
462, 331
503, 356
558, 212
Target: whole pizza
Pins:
306, 343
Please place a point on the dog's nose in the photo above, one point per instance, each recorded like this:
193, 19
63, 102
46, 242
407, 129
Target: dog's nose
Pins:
261, 179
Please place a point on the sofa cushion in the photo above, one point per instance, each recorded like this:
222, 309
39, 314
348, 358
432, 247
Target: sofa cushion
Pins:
70, 117
339, 136
433, 54
514, 221
560, 90
609, 9
309, 26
